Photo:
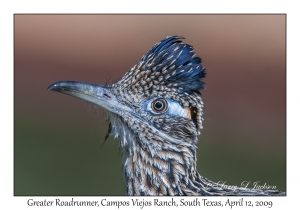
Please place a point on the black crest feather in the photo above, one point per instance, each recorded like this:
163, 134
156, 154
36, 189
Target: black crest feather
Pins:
171, 56
169, 64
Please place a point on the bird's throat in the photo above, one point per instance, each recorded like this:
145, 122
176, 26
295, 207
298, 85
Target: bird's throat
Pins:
158, 172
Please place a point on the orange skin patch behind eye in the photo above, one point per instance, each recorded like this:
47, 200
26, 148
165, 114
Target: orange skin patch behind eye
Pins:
188, 112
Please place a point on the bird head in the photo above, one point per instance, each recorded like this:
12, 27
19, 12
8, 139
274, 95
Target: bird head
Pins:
160, 94
156, 108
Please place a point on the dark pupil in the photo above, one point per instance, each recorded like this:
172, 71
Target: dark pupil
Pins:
158, 105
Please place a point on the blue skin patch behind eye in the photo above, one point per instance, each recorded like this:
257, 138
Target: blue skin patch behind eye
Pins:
173, 109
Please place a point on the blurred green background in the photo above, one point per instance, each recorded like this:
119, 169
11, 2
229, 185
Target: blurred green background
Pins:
58, 140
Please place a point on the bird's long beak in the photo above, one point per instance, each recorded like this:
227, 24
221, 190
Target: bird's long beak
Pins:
97, 94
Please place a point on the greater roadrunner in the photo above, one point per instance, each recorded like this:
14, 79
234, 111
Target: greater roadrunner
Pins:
156, 110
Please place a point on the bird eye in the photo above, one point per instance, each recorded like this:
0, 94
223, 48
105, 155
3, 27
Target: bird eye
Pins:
159, 105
